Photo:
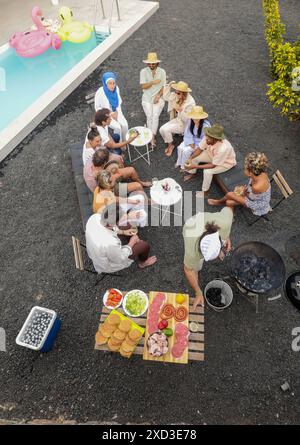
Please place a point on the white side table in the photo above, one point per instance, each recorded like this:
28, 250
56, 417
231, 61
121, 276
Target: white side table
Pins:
166, 199
143, 140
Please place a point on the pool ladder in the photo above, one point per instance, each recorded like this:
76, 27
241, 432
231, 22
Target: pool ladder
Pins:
111, 11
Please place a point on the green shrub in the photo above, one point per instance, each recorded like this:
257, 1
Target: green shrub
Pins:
284, 58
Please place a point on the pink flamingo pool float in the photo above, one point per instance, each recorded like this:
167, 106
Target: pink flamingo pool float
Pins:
33, 43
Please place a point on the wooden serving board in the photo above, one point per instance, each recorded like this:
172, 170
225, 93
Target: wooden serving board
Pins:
171, 298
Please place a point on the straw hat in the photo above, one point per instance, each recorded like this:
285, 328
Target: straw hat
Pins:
216, 131
181, 86
197, 113
152, 58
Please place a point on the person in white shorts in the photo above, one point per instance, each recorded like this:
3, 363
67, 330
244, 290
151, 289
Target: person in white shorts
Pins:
152, 81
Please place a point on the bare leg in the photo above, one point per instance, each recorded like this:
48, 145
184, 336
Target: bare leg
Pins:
130, 173
192, 277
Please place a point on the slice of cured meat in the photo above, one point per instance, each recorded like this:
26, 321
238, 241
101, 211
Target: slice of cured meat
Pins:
181, 313
154, 311
181, 329
177, 352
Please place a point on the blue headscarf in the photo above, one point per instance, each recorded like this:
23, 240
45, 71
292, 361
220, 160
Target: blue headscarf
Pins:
112, 96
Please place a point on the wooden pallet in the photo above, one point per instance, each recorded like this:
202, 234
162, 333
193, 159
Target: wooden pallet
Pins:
196, 340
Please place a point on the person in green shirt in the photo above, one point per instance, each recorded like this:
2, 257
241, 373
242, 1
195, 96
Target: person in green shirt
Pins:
206, 238
152, 81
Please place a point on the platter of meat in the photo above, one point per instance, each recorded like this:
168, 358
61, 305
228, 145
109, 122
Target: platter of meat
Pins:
167, 332
157, 344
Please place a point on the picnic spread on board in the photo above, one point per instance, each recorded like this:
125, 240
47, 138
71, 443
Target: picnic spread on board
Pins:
162, 327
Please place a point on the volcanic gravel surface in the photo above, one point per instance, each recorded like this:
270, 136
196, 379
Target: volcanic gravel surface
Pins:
219, 48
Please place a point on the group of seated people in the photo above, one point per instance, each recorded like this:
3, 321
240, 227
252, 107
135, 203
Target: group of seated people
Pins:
111, 234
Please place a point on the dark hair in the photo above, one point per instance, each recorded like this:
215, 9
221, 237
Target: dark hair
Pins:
93, 132
210, 227
192, 126
100, 157
111, 214
102, 116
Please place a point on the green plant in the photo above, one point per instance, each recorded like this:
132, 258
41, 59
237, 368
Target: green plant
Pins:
284, 58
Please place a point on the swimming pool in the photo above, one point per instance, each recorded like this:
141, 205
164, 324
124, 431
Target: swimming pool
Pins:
49, 78
27, 79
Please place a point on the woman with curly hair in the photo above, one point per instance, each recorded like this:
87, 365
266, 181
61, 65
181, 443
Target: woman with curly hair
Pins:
256, 195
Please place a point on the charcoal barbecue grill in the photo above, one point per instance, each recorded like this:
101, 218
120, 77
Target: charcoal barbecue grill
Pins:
257, 269
292, 289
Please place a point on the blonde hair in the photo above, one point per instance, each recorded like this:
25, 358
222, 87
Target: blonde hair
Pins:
256, 163
103, 180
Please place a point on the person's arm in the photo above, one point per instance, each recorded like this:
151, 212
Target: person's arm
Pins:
228, 245
158, 96
112, 144
192, 277
146, 86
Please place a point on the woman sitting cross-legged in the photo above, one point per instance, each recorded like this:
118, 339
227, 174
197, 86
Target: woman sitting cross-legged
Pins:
112, 248
108, 96
256, 196
133, 207
193, 134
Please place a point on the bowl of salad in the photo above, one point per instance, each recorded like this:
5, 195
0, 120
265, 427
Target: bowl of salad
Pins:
135, 303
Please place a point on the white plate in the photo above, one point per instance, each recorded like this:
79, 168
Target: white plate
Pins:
143, 295
105, 296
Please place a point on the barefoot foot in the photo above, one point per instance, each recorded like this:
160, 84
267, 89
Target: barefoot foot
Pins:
149, 262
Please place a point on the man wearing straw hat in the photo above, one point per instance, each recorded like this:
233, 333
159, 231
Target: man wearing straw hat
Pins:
214, 155
180, 103
206, 238
152, 80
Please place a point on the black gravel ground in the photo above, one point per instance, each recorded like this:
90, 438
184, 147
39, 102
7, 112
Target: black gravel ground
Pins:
218, 47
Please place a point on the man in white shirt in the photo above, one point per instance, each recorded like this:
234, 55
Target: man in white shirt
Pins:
104, 245
152, 81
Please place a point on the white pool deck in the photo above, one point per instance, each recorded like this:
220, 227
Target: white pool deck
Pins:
16, 16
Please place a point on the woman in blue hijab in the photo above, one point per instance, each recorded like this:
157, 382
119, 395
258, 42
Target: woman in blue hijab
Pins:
108, 96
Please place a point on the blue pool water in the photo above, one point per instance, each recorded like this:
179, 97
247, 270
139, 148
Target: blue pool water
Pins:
27, 79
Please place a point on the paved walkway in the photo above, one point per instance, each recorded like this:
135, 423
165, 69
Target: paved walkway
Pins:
221, 52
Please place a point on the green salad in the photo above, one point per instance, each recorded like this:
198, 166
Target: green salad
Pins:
135, 303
